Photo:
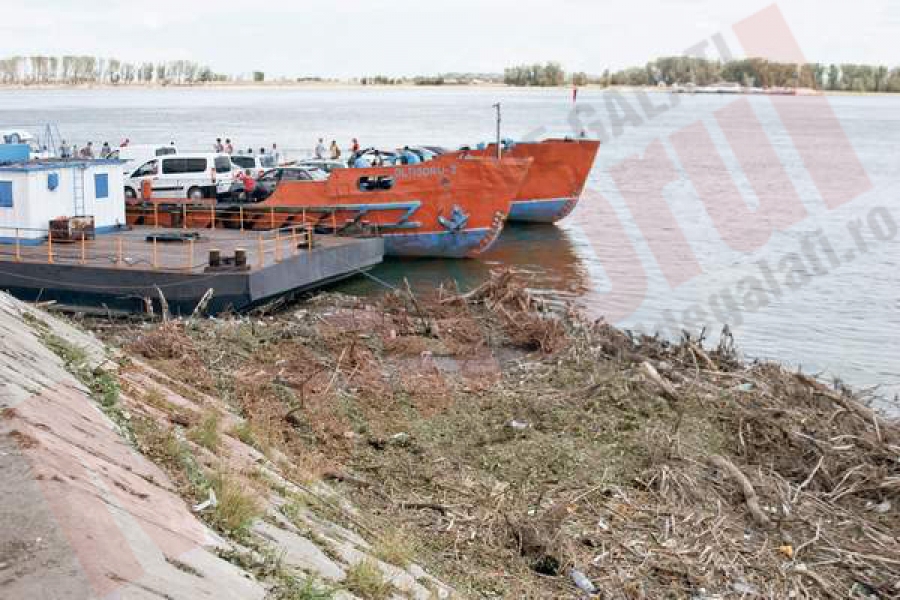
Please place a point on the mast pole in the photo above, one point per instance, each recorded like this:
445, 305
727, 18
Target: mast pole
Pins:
499, 119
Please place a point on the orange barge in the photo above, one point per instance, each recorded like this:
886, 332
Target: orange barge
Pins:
554, 183
453, 206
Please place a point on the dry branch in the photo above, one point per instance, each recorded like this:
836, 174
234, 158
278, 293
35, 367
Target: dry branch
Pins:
750, 497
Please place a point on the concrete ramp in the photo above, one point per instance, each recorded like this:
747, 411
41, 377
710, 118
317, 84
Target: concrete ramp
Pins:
82, 514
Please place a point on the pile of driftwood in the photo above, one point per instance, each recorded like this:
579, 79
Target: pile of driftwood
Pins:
596, 462
756, 480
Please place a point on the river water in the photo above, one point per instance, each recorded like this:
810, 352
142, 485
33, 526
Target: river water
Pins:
778, 216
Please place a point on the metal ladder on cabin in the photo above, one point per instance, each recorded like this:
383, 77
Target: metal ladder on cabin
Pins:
78, 191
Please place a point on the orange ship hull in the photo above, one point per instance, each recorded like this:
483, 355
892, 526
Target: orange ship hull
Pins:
450, 207
555, 181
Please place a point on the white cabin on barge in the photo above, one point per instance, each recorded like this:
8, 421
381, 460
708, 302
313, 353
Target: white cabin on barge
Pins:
35, 192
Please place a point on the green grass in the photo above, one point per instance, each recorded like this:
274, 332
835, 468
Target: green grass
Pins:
206, 432
366, 580
244, 432
236, 510
103, 384
395, 548
293, 588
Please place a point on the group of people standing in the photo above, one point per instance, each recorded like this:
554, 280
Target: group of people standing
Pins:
87, 151
334, 151
228, 148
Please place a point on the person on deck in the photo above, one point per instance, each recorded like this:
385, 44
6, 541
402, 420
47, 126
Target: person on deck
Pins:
335, 151
354, 147
229, 149
218, 148
320, 149
248, 183
124, 143
105, 150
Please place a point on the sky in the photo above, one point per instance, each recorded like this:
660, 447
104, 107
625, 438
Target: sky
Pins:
351, 38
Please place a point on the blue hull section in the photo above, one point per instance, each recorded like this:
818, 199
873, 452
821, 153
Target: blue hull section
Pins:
538, 211
439, 244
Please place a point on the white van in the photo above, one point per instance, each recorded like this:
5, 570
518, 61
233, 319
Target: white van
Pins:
254, 165
195, 176
137, 154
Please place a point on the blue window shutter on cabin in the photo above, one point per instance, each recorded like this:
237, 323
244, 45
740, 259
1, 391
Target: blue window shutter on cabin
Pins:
101, 185
6, 194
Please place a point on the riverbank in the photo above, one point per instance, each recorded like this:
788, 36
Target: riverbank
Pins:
353, 85
511, 448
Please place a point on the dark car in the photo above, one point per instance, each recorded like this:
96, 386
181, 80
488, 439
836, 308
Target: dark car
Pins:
269, 180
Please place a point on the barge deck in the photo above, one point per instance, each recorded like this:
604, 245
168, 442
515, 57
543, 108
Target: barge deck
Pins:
133, 270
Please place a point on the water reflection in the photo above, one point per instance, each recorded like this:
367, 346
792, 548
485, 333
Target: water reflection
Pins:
545, 255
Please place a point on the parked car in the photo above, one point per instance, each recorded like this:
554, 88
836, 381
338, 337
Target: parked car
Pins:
254, 164
138, 154
266, 184
195, 176
368, 156
323, 164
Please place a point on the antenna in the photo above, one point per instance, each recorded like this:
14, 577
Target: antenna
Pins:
499, 119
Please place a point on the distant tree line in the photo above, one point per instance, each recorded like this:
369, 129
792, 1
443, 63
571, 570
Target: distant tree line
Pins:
25, 70
751, 72
547, 75
759, 72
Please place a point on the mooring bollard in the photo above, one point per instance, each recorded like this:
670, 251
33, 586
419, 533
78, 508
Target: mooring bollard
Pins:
215, 257
240, 257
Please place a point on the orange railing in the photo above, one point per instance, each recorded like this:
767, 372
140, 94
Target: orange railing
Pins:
155, 248
207, 215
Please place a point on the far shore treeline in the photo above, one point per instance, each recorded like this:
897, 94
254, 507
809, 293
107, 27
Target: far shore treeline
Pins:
668, 71
751, 72
74, 70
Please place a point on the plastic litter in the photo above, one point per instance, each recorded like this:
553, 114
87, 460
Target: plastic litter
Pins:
582, 582
742, 587
211, 502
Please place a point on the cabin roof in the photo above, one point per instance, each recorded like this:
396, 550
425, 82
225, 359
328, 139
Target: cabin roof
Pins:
51, 164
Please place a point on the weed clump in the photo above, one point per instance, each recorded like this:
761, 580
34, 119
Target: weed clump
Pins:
235, 509
366, 580
206, 432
